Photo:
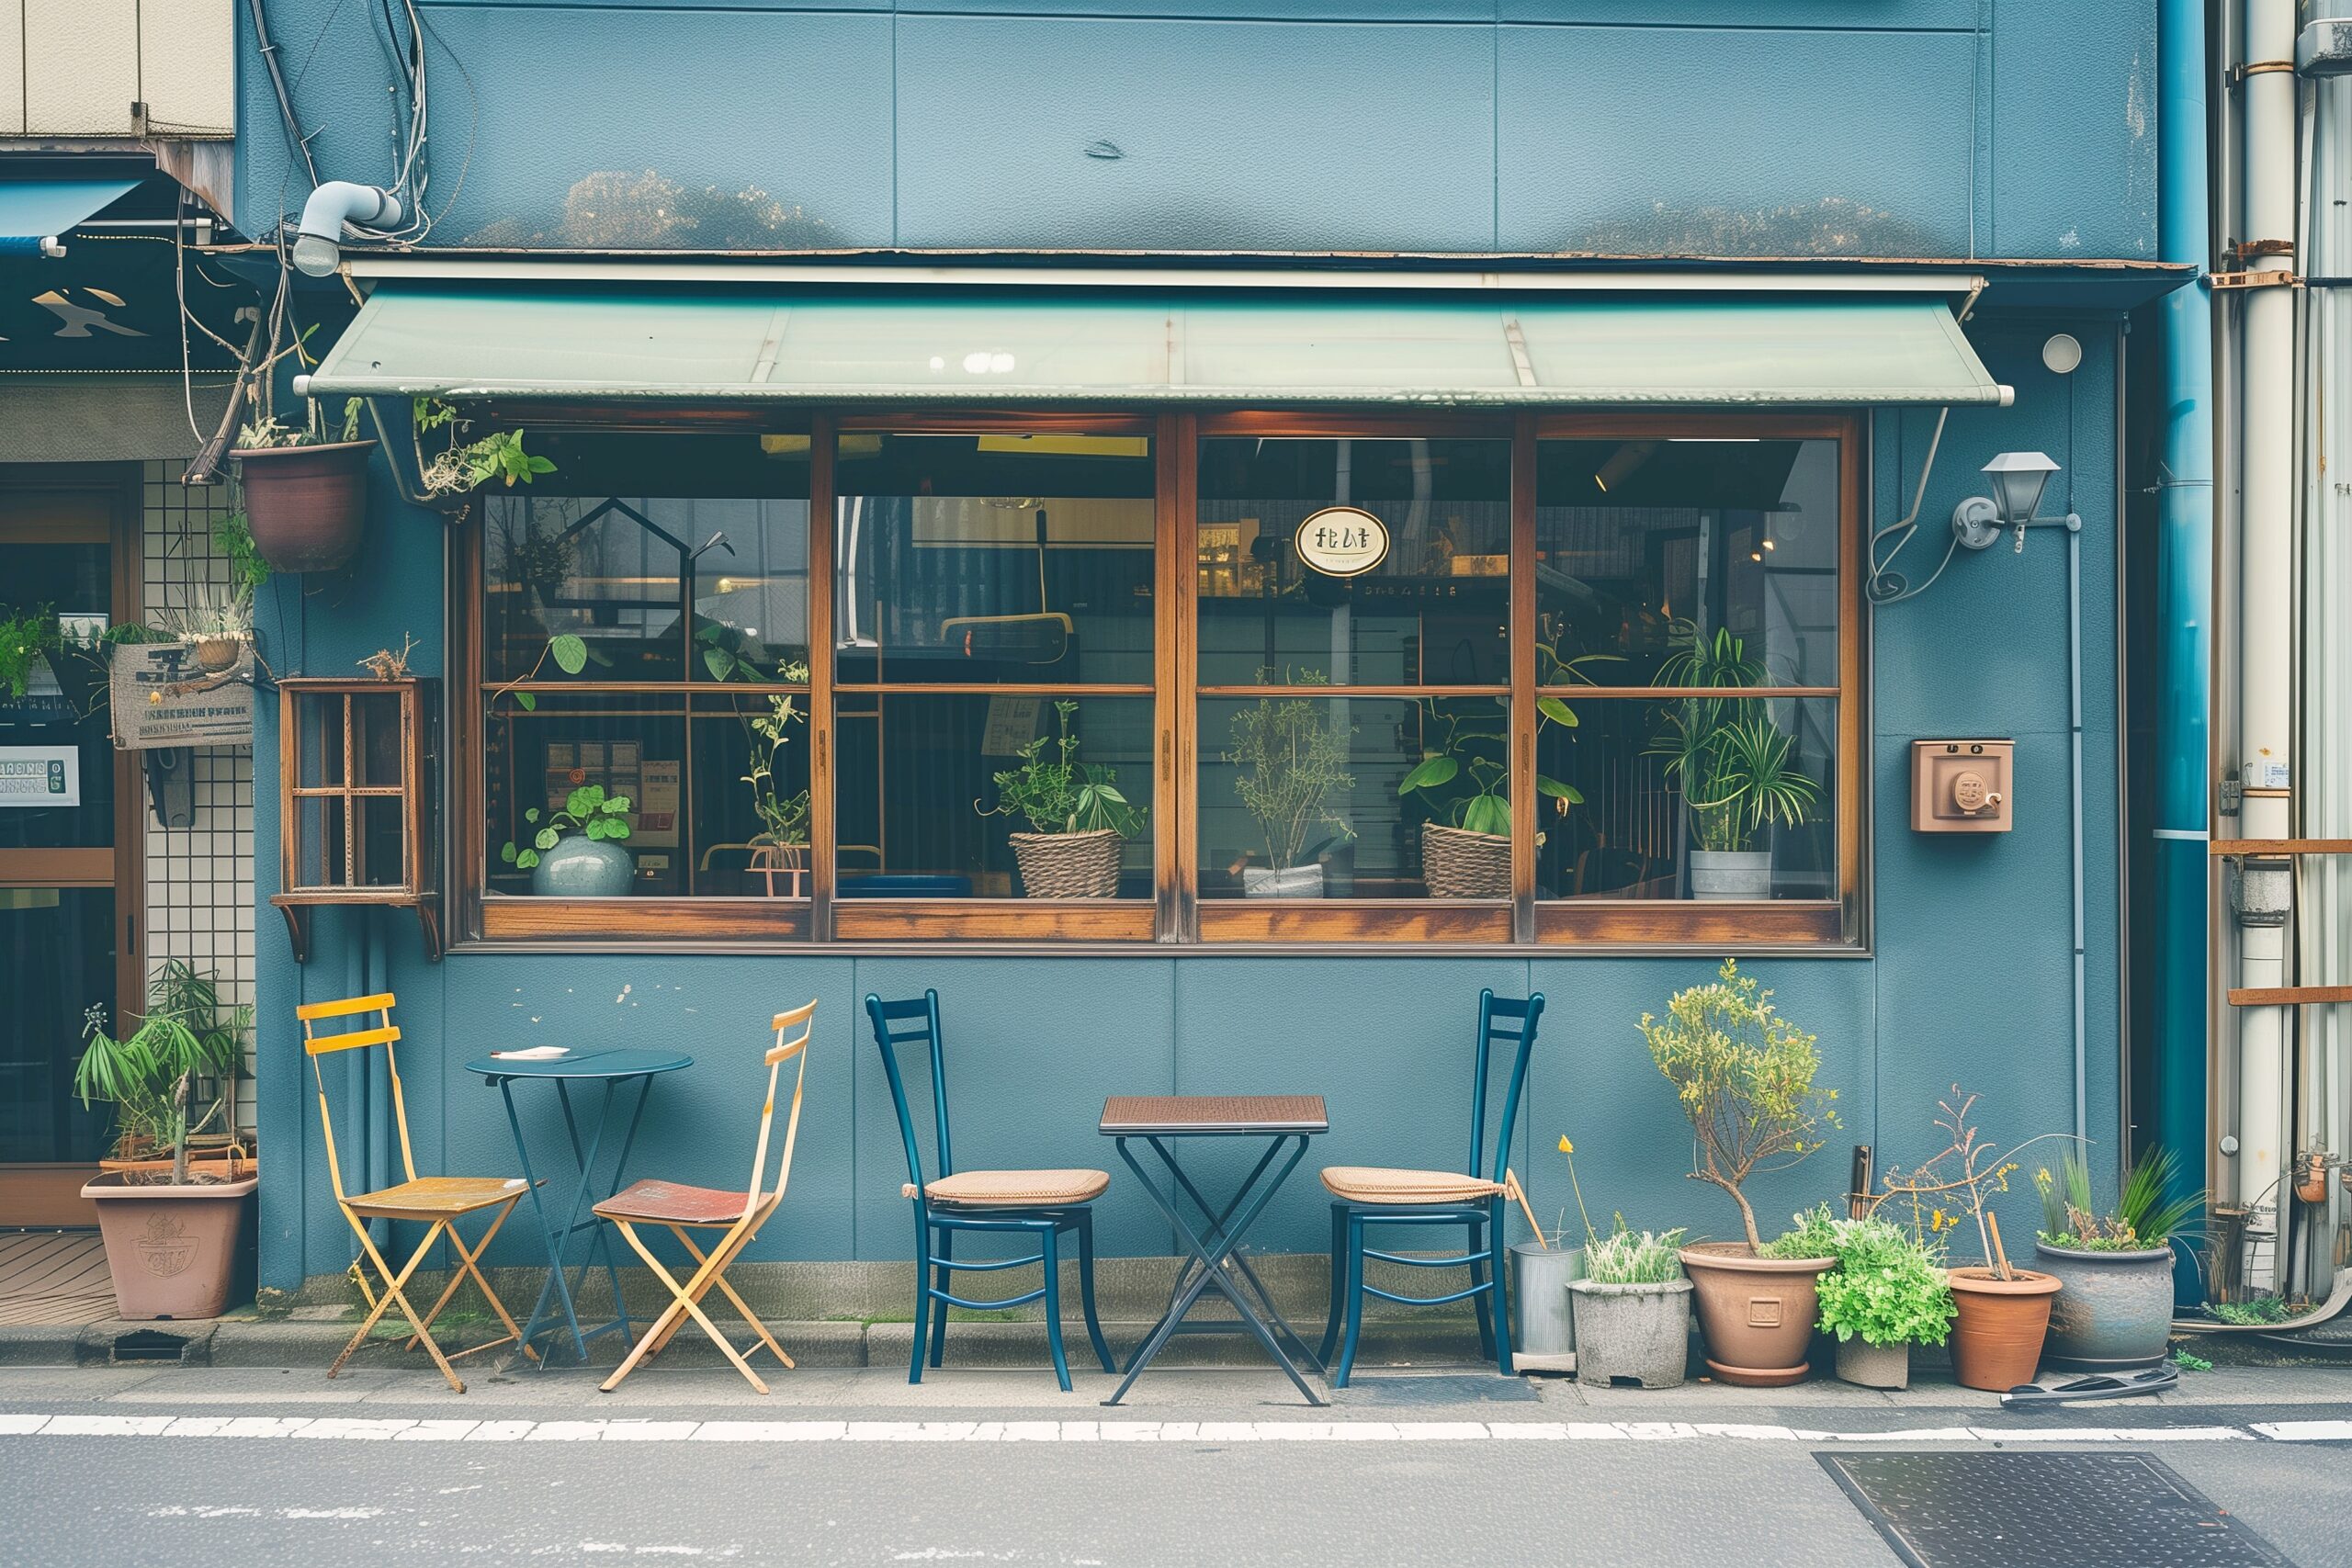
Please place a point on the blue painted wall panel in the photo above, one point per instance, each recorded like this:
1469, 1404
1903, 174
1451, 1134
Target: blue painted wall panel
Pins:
1259, 135
2074, 118
1642, 141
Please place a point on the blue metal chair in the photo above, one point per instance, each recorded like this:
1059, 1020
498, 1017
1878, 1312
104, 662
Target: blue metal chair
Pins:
1370, 1195
1039, 1203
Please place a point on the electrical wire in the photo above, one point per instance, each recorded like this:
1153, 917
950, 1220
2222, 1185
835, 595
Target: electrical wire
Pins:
1886, 585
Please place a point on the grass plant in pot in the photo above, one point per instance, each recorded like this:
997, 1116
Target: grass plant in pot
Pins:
215, 624
2001, 1312
305, 488
1080, 822
1736, 767
1886, 1294
2114, 1266
1632, 1310
576, 852
172, 1195
1293, 760
1744, 1076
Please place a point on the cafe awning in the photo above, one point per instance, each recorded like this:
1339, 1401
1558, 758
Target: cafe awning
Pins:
1033, 346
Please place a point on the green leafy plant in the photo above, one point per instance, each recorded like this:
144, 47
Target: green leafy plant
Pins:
587, 809
461, 466
1061, 794
1887, 1288
2254, 1313
2142, 1217
1743, 1076
1464, 777
1734, 766
149, 1075
783, 818
26, 636
569, 652
2188, 1362
1812, 1233
1626, 1256
269, 432
232, 536
1292, 761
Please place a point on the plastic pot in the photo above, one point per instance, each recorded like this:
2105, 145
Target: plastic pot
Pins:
2113, 1310
171, 1250
1543, 1330
1757, 1314
1638, 1334
1998, 1327
306, 504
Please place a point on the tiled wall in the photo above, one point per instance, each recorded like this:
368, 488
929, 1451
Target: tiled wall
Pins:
199, 879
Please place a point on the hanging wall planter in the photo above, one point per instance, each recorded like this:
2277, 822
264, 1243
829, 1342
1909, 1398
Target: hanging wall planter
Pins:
306, 505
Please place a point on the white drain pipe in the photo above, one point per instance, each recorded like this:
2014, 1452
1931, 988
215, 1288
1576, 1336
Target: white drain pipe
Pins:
2265, 667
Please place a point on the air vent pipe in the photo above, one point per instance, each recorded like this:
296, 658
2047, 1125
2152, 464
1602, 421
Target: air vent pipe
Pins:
318, 244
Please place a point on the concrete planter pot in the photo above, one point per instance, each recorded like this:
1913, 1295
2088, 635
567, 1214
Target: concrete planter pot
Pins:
2113, 1310
582, 867
306, 504
1290, 882
1866, 1365
1544, 1326
1755, 1313
171, 1250
1997, 1328
1731, 873
1638, 1334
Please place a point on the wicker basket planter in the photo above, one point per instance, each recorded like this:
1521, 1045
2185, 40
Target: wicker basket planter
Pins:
1069, 865
1457, 864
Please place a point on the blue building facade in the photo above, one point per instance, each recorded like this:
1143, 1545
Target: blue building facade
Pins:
1552, 137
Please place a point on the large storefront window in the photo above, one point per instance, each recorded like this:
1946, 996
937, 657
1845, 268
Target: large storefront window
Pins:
1240, 678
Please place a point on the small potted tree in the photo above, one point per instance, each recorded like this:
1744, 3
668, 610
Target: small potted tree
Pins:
1293, 760
305, 488
576, 852
1079, 820
2114, 1266
1734, 766
1886, 1294
1744, 1076
1632, 1310
171, 1225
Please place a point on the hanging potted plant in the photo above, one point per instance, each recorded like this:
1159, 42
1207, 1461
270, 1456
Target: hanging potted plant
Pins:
216, 627
1744, 1076
2001, 1312
2114, 1266
1633, 1311
172, 1195
1734, 766
462, 466
305, 490
1886, 1294
1292, 761
1079, 819
576, 852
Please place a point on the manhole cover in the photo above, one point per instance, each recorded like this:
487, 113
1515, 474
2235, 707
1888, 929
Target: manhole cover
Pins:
2029, 1510
1485, 1390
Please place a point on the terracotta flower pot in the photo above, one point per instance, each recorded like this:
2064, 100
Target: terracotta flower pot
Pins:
1997, 1332
305, 504
169, 1249
1756, 1313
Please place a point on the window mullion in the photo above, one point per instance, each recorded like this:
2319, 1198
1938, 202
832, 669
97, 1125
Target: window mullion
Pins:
1177, 835
821, 676
1523, 721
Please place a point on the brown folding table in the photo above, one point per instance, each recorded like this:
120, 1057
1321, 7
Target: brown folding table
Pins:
1213, 1259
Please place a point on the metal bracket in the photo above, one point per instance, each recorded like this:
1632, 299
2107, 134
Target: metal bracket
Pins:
2275, 277
2232, 794
2239, 72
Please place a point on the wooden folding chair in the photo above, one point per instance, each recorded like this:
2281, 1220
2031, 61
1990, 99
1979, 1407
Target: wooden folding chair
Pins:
435, 1201
681, 1210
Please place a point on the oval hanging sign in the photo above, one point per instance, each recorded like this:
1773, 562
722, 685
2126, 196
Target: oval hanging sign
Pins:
1342, 541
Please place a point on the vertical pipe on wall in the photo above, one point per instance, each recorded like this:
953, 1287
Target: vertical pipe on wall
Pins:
2265, 605
2184, 608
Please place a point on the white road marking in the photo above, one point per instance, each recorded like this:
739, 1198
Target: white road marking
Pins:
1207, 1432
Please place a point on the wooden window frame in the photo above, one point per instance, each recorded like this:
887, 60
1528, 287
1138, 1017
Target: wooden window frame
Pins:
1176, 915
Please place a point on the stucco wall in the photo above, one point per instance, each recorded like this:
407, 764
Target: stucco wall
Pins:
1970, 976
1938, 127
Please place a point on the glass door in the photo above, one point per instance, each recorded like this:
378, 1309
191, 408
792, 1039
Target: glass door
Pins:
69, 818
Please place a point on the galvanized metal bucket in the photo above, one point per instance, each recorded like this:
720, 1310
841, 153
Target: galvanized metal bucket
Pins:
1544, 1323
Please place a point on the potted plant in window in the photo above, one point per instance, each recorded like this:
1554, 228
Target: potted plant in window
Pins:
1291, 760
576, 852
1886, 1294
1743, 1076
1734, 766
27, 637
2114, 1266
306, 492
1079, 819
1632, 1310
171, 1224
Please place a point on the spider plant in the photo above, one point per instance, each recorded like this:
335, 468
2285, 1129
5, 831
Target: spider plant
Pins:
2142, 1217
1734, 766
148, 1074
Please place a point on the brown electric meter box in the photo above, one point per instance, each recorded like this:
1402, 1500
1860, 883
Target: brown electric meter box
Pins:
1961, 786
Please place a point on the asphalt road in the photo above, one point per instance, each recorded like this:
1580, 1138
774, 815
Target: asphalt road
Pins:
1443, 1484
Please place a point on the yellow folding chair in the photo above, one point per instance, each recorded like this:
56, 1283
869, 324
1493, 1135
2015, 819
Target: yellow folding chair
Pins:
435, 1201
681, 1210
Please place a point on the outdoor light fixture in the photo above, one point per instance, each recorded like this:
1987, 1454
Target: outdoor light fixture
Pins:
318, 242
2017, 481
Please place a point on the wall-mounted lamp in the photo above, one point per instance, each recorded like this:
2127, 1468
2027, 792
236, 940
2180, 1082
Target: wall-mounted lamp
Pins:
2019, 479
